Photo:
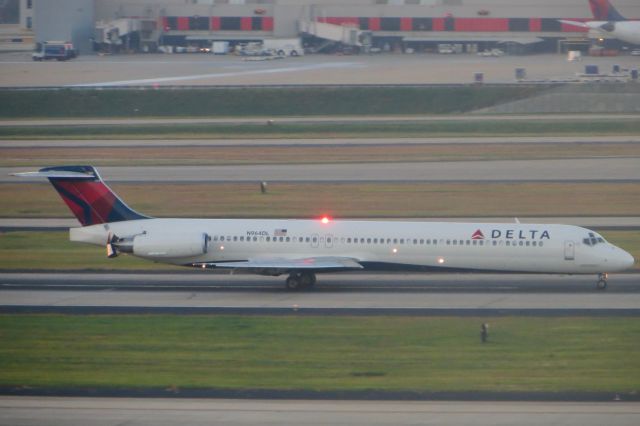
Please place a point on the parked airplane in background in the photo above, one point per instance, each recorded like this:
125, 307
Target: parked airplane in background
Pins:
303, 248
610, 21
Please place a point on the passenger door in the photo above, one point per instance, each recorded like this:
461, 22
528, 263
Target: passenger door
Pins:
569, 250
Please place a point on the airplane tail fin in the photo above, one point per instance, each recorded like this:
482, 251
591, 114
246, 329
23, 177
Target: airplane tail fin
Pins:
603, 10
86, 194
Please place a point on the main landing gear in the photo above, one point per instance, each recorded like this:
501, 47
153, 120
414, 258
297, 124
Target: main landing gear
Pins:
300, 281
602, 281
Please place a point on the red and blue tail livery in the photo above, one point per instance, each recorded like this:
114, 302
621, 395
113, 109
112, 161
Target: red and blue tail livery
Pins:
86, 194
603, 10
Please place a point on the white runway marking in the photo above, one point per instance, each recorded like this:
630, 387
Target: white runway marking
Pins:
219, 75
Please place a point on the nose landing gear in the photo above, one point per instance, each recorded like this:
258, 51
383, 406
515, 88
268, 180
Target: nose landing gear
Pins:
300, 280
602, 281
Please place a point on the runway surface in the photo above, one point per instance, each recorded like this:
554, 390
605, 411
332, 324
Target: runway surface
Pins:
32, 411
110, 143
368, 293
584, 170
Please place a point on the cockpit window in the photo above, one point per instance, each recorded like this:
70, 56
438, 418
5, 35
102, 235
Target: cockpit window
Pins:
593, 239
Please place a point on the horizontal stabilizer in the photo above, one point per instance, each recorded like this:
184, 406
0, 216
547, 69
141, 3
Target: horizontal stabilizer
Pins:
55, 174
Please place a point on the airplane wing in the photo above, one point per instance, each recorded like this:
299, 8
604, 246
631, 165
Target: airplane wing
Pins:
269, 266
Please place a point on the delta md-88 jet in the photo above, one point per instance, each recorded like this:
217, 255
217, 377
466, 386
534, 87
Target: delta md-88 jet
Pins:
303, 248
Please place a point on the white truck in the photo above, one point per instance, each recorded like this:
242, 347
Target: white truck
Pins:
58, 50
220, 47
284, 46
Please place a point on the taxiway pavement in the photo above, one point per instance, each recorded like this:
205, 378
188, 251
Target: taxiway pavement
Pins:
582, 170
348, 292
202, 69
591, 222
33, 411
130, 143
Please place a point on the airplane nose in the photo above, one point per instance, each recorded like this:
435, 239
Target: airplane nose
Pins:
627, 260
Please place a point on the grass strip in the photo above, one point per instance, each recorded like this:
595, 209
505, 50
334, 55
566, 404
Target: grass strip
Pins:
292, 200
229, 155
321, 353
430, 128
52, 250
256, 101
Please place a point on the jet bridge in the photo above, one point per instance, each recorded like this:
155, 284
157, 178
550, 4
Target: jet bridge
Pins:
347, 35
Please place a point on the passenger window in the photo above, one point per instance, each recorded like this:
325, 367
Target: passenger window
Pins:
235, 238
288, 239
348, 240
215, 238
521, 243
255, 239
535, 243
307, 239
375, 241
401, 240
315, 239
395, 241
540, 244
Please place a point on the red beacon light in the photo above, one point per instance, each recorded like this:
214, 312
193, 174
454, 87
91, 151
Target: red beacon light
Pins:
325, 219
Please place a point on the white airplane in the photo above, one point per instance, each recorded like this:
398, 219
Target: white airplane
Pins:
303, 248
610, 21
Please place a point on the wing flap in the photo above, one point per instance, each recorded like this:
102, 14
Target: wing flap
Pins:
284, 265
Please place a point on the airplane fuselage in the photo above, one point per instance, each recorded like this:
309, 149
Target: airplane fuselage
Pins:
533, 248
627, 31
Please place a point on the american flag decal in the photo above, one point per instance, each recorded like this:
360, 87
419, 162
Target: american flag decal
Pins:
280, 233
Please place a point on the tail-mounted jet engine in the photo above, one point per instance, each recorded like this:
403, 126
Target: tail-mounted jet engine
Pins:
609, 27
160, 245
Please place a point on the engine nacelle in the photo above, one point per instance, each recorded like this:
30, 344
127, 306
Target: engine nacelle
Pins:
168, 245
609, 27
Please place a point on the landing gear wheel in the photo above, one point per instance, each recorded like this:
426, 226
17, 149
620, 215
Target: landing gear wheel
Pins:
308, 279
300, 281
602, 282
294, 282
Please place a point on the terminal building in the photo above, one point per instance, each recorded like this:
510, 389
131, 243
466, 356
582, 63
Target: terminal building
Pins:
516, 26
